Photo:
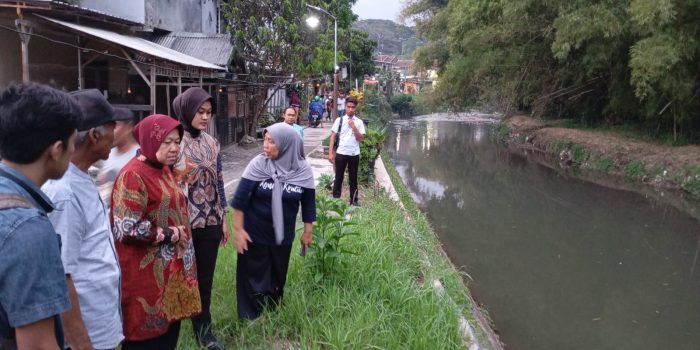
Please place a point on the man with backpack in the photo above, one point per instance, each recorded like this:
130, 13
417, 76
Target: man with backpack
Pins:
346, 134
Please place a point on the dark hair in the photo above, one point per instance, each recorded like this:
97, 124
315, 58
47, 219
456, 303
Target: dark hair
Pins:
290, 107
32, 117
351, 99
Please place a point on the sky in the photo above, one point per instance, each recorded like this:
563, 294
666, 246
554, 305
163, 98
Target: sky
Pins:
378, 9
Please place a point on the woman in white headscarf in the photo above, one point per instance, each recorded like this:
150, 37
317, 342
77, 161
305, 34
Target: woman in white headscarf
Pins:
265, 206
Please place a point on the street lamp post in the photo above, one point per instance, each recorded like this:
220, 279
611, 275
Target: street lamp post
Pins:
313, 22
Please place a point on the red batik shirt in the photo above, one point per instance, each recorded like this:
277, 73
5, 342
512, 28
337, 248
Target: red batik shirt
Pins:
159, 280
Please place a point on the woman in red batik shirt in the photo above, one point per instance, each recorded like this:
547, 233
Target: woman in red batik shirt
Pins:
154, 242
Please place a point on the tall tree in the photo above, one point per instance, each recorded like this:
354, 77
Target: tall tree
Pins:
361, 54
266, 40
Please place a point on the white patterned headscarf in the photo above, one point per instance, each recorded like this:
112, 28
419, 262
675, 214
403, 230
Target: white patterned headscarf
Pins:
290, 167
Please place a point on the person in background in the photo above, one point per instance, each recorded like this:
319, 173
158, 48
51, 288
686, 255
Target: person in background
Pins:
154, 242
341, 105
88, 253
37, 135
290, 117
199, 162
124, 149
329, 108
265, 208
316, 112
350, 131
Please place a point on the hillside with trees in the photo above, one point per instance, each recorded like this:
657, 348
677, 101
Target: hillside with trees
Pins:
392, 38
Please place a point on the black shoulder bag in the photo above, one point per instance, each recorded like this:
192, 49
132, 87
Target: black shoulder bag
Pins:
337, 135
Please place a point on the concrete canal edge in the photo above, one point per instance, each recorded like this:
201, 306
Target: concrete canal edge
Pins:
468, 331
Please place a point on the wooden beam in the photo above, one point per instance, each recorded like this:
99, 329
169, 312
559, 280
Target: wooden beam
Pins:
167, 95
179, 82
138, 70
81, 82
153, 87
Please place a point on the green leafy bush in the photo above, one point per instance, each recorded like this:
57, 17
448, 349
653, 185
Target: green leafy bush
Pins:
325, 181
370, 147
402, 105
634, 169
328, 253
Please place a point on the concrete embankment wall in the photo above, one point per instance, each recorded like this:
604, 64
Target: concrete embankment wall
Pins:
474, 325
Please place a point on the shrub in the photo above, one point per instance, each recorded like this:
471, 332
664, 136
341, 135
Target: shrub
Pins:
501, 131
369, 151
328, 254
635, 169
401, 104
325, 181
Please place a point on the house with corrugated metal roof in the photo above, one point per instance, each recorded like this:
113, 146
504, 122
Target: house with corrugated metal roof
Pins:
139, 53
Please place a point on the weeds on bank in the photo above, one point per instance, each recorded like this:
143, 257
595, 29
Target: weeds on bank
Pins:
325, 181
379, 300
501, 131
635, 169
602, 164
690, 179
328, 253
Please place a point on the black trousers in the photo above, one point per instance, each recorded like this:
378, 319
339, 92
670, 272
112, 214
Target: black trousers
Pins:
352, 163
167, 341
206, 249
261, 273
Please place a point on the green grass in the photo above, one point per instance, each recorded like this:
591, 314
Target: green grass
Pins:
578, 154
380, 300
501, 131
602, 164
635, 169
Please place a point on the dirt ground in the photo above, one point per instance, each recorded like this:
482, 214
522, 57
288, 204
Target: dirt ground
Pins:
664, 167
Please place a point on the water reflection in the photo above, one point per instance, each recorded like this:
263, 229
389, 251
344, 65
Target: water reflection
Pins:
559, 263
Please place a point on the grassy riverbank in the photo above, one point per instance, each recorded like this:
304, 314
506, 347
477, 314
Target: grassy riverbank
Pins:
384, 298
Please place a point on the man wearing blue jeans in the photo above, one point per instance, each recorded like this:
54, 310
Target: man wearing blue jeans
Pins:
349, 130
37, 135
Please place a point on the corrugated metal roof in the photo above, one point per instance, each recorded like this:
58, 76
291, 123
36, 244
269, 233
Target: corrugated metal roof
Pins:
213, 48
138, 44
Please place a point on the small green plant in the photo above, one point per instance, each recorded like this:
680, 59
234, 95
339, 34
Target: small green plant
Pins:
602, 164
691, 180
578, 154
325, 181
561, 145
328, 254
634, 169
501, 131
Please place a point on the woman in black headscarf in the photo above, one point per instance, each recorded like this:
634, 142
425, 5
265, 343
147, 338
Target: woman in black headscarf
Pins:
265, 207
200, 169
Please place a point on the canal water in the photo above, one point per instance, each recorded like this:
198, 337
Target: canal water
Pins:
558, 263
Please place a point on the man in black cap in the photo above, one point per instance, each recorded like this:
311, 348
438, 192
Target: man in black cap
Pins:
88, 253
